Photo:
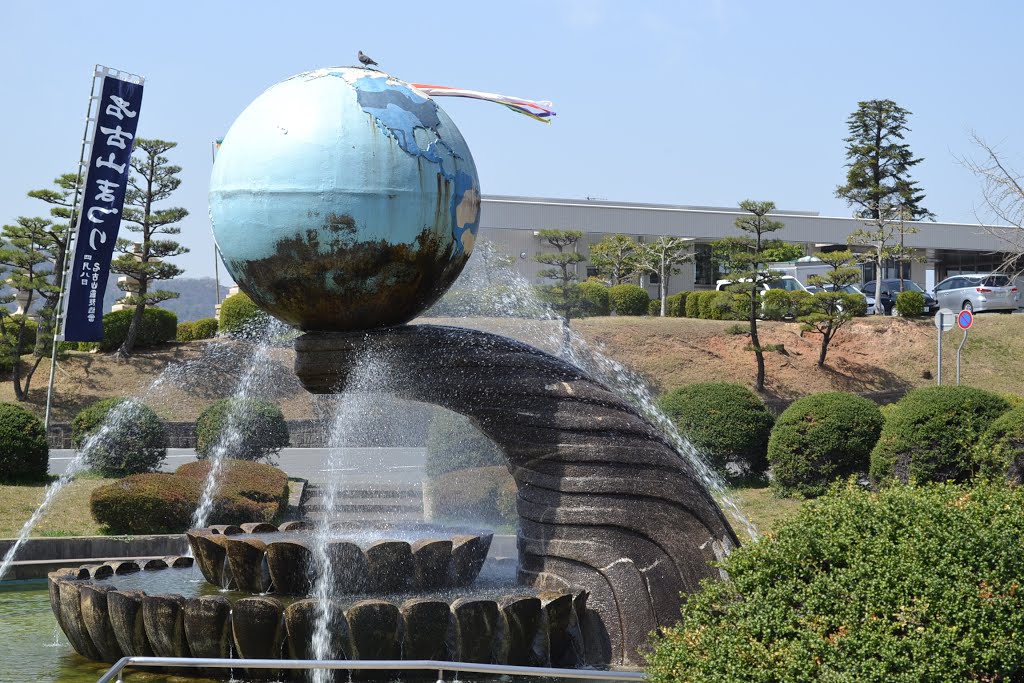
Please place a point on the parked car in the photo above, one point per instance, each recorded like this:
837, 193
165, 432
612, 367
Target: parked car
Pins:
890, 289
787, 282
853, 289
982, 292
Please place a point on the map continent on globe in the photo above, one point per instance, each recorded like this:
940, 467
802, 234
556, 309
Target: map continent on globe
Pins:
344, 199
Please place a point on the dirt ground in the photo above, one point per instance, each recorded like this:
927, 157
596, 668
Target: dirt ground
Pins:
879, 357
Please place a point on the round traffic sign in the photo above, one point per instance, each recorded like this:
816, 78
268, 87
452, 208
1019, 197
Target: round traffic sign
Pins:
964, 320
944, 320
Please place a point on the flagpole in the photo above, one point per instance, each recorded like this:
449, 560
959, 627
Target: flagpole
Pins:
216, 249
58, 314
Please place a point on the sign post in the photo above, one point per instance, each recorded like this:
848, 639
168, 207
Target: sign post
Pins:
944, 322
964, 320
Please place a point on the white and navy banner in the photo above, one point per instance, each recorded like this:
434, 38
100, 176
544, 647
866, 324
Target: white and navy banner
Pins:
99, 218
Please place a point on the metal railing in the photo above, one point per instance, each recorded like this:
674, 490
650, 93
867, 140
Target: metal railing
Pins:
114, 674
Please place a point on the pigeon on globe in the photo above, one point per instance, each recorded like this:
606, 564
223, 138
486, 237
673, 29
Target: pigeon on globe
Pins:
366, 60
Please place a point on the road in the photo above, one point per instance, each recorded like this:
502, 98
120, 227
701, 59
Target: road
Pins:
394, 465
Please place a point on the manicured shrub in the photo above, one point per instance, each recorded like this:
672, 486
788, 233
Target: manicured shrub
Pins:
121, 436
727, 422
930, 434
628, 299
776, 304
821, 438
453, 443
238, 314
654, 306
24, 453
692, 304
480, 494
158, 326
912, 584
910, 304
186, 332
595, 297
707, 300
1000, 450
9, 328
250, 429
674, 305
161, 503
205, 328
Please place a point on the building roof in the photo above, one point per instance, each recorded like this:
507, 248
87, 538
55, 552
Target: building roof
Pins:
704, 222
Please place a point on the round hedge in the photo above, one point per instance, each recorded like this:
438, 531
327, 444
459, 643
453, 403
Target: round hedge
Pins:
821, 438
911, 584
453, 443
910, 304
930, 434
727, 422
1000, 450
238, 314
628, 299
158, 326
205, 328
161, 503
594, 296
24, 453
258, 429
121, 436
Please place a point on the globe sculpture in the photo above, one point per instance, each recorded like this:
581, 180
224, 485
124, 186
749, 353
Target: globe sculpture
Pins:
344, 199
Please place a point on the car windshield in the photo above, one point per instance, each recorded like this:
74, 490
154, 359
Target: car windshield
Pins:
908, 286
991, 281
788, 284
850, 289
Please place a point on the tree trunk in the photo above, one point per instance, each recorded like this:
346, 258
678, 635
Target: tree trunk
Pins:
879, 309
662, 291
133, 329
754, 341
826, 337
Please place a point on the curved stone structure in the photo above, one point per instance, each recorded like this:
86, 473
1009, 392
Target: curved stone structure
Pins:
230, 559
605, 501
105, 623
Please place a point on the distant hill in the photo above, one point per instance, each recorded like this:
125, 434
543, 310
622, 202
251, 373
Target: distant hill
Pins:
196, 300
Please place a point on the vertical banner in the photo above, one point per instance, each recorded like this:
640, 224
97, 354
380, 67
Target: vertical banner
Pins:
99, 217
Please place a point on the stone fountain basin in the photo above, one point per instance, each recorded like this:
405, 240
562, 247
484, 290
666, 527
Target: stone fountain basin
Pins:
104, 622
262, 558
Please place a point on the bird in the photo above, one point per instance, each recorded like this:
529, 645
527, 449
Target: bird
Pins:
366, 60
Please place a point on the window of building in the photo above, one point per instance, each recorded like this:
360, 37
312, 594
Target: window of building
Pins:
654, 278
705, 272
591, 271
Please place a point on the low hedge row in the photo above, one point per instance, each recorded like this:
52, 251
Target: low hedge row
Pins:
204, 328
158, 326
161, 503
251, 429
238, 314
24, 453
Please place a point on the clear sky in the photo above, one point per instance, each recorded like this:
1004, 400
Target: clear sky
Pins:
701, 102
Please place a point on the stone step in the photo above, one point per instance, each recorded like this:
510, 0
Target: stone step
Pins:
364, 516
374, 494
342, 507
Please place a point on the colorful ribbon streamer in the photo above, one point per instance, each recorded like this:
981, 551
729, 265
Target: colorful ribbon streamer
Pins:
539, 111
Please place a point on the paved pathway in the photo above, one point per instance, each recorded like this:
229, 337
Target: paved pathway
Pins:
355, 465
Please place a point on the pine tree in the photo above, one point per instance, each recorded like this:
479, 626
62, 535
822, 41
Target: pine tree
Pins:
615, 258
880, 162
564, 296
154, 180
831, 308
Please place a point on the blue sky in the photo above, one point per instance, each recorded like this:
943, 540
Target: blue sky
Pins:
705, 102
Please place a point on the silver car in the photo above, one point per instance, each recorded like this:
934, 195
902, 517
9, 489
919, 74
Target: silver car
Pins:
982, 292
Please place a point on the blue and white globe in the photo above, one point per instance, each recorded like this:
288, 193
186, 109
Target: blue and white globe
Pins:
344, 199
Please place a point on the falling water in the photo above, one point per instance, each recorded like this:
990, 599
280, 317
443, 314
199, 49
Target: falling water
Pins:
489, 287
355, 402
256, 376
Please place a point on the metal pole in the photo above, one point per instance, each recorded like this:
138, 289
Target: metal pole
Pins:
938, 375
58, 315
964, 341
216, 249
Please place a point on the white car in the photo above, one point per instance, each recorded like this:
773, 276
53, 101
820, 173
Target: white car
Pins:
786, 282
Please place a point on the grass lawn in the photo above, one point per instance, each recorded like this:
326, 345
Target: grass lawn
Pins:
763, 509
68, 515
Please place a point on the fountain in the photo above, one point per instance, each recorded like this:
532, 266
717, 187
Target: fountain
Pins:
345, 202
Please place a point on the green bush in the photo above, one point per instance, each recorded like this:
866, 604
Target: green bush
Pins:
595, 297
930, 434
910, 304
186, 332
162, 503
238, 314
205, 328
158, 326
628, 299
121, 436
480, 494
821, 438
654, 306
912, 584
24, 453
250, 429
692, 304
675, 305
776, 304
453, 443
727, 422
1000, 450
706, 304
9, 338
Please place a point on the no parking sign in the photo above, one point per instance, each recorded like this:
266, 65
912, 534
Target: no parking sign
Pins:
964, 320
